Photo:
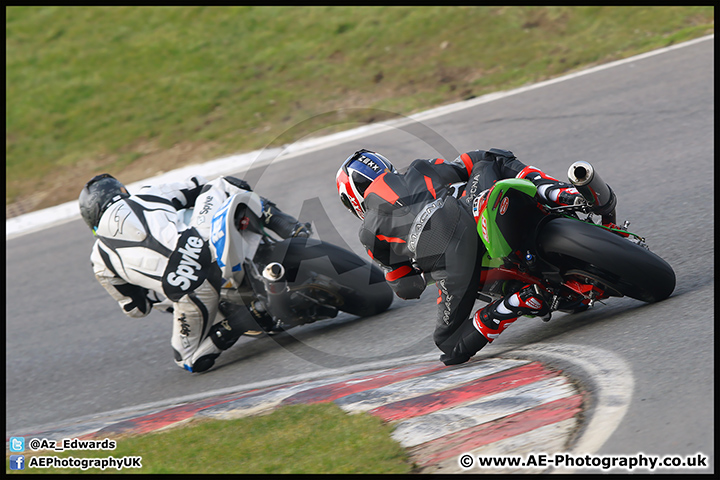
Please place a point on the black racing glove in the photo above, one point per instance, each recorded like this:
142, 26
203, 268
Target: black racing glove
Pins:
136, 299
409, 286
303, 230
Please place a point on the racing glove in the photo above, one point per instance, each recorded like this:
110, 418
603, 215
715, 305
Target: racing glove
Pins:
407, 281
560, 194
551, 191
303, 230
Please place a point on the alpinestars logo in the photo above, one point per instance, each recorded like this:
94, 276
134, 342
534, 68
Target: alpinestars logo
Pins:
533, 303
120, 213
448, 299
267, 214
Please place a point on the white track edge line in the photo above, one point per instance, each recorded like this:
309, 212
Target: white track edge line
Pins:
57, 215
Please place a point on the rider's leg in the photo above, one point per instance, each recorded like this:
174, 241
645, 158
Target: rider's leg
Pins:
192, 282
193, 318
455, 266
490, 321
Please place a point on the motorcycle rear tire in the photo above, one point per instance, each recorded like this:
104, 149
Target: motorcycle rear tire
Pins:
368, 293
625, 267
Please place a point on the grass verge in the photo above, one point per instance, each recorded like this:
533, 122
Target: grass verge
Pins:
137, 90
298, 439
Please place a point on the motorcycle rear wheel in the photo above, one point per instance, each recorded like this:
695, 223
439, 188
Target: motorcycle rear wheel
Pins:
623, 267
366, 292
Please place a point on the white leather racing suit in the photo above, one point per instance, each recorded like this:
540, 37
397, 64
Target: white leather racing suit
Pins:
150, 246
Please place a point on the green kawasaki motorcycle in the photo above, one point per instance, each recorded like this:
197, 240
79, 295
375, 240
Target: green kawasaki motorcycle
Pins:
577, 260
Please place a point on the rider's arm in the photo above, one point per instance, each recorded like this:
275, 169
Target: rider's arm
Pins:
180, 194
504, 163
405, 280
550, 190
448, 173
133, 299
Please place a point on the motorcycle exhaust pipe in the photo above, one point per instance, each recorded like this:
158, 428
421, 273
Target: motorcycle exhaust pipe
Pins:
277, 290
273, 272
599, 195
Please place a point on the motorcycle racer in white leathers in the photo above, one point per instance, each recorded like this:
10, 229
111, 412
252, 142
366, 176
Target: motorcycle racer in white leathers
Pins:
149, 253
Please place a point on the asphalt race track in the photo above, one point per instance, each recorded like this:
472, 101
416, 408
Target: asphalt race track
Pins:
647, 126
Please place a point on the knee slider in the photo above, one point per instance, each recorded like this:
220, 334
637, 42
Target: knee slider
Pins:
469, 343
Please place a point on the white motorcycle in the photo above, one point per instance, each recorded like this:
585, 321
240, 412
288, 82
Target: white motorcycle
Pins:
289, 282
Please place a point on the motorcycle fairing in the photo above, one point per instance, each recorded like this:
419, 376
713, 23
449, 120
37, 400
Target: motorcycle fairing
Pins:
494, 232
230, 246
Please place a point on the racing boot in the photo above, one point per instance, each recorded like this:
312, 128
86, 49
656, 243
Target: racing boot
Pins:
203, 358
222, 336
253, 319
491, 320
530, 301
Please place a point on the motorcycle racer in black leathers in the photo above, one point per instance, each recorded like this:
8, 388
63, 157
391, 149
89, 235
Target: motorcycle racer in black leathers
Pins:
420, 223
152, 250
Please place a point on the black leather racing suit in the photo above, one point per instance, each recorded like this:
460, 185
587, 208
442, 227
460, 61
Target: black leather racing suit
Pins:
414, 225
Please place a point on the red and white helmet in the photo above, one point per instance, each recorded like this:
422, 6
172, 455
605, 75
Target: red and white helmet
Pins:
356, 174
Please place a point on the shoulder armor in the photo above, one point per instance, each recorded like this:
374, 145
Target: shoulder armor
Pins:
120, 222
